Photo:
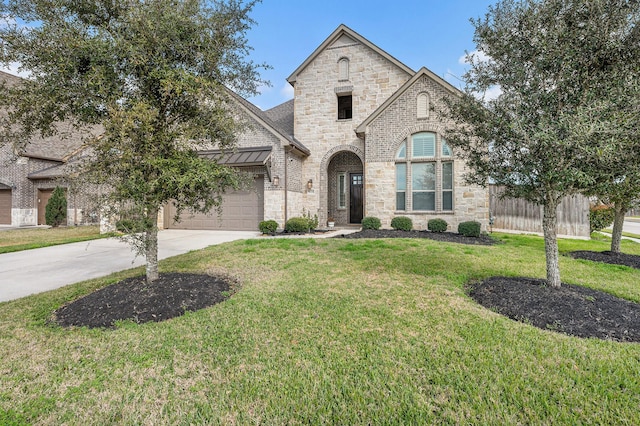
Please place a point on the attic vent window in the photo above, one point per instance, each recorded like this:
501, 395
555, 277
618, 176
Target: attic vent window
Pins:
344, 107
343, 69
423, 105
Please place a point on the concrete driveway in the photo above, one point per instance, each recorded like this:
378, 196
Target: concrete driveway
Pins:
33, 271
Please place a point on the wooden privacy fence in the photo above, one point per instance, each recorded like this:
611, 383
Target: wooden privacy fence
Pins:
516, 214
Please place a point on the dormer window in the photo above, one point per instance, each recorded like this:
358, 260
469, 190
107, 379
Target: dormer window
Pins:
343, 69
423, 105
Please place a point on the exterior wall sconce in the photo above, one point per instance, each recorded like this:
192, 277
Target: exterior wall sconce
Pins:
276, 181
310, 185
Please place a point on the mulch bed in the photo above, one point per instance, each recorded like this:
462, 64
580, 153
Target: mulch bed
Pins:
570, 309
447, 237
629, 260
169, 296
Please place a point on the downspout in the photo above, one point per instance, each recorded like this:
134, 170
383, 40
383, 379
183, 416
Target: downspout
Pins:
286, 183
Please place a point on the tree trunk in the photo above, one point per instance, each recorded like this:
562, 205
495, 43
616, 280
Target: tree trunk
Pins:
151, 246
618, 222
551, 242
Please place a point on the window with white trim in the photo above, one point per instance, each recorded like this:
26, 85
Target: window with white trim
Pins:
424, 174
341, 190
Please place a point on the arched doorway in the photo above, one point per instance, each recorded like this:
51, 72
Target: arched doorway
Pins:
345, 188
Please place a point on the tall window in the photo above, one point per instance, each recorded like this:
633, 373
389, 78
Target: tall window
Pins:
344, 107
424, 170
342, 190
343, 69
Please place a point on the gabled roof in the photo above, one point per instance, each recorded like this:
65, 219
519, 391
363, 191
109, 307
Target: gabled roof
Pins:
422, 72
339, 33
278, 127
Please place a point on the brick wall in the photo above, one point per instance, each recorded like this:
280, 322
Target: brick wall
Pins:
383, 138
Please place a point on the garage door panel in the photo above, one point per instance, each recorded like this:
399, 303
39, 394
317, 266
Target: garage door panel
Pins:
5, 207
241, 211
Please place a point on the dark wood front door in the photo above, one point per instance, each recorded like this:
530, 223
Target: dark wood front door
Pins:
355, 198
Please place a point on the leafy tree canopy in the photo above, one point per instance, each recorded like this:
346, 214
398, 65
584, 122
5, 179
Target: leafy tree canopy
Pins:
554, 62
148, 80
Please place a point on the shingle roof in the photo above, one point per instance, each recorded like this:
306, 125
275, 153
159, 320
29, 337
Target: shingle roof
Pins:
283, 123
282, 116
58, 147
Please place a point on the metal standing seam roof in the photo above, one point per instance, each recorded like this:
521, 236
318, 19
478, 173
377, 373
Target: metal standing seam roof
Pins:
242, 157
256, 156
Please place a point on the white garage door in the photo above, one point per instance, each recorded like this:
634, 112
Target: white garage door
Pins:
241, 211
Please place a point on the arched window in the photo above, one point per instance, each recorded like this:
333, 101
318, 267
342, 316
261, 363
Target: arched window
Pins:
425, 173
343, 69
423, 105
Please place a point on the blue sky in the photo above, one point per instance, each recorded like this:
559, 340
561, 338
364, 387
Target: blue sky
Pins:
431, 33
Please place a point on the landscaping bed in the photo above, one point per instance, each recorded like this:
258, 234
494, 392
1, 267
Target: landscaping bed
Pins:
448, 237
169, 296
629, 260
570, 309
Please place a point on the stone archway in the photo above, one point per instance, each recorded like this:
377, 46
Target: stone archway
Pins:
342, 168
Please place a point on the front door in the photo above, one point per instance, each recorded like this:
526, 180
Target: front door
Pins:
43, 200
355, 198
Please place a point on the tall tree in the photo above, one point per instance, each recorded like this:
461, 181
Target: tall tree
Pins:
149, 79
616, 163
550, 59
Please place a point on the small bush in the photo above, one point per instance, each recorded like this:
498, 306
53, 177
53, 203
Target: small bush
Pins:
55, 213
437, 225
371, 223
402, 223
312, 221
268, 226
469, 229
297, 224
600, 217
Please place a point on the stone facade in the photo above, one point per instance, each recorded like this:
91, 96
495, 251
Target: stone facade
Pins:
372, 78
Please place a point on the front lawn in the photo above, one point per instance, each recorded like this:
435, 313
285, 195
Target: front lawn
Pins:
328, 332
30, 238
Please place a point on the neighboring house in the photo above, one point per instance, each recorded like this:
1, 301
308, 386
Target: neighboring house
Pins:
28, 177
359, 139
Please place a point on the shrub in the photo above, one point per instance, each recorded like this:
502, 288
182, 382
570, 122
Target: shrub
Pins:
469, 229
402, 223
56, 209
297, 224
268, 226
312, 221
600, 217
371, 223
437, 225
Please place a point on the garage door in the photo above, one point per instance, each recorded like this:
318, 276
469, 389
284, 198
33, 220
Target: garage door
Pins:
5, 207
241, 211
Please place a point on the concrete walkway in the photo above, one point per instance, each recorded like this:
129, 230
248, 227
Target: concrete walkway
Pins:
33, 271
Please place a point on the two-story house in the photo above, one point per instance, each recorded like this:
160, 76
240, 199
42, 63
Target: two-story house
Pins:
360, 138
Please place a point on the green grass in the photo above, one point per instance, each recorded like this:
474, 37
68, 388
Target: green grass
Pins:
30, 238
328, 332
625, 234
